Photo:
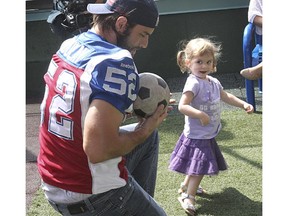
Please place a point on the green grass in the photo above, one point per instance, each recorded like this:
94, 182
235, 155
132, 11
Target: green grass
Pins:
235, 192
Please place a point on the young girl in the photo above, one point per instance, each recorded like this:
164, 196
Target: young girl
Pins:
196, 152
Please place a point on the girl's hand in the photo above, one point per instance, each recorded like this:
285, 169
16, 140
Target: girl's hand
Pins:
248, 108
204, 119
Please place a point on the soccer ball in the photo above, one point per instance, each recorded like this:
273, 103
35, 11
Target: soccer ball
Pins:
153, 91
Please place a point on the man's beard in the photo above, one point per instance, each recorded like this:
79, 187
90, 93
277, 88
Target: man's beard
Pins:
122, 41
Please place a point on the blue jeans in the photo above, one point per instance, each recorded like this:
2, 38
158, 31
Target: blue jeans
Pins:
135, 198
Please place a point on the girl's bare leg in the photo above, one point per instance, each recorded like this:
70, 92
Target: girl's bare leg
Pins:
193, 184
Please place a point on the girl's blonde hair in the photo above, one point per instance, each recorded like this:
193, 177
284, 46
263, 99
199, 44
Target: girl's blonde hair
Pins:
198, 47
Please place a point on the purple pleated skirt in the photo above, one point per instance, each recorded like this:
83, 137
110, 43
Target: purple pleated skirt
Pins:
197, 157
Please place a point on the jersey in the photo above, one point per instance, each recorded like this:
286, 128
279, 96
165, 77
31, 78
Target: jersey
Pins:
206, 98
86, 67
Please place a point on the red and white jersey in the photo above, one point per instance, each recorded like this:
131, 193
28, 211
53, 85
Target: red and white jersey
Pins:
86, 67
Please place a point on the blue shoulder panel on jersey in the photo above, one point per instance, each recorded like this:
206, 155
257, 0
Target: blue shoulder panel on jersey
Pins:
114, 76
114, 79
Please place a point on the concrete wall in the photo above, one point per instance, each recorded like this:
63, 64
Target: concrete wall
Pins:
224, 25
41, 43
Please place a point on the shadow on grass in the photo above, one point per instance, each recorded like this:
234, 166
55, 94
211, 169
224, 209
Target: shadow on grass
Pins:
230, 202
227, 135
231, 152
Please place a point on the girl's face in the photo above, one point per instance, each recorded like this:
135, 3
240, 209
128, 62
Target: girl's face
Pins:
202, 65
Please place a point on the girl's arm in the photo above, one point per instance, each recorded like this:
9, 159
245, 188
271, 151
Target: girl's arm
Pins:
185, 108
235, 101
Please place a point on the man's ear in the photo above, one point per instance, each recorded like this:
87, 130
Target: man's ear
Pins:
121, 24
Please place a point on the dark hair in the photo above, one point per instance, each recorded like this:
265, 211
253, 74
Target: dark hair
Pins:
107, 21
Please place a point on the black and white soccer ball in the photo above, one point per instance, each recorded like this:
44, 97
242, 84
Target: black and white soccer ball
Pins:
153, 91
